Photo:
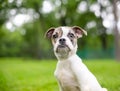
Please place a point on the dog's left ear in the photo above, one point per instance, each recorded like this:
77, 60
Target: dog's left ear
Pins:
49, 33
79, 31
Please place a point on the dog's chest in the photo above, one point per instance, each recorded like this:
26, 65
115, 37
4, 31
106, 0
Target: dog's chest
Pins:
64, 73
66, 77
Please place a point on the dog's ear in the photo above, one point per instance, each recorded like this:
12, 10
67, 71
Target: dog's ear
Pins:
49, 33
79, 31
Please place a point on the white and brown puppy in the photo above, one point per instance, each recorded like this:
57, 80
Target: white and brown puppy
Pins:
71, 73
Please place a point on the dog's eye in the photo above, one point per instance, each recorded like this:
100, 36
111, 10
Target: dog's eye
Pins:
71, 35
55, 36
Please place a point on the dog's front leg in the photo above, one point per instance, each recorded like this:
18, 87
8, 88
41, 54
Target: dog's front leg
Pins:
86, 80
79, 70
59, 84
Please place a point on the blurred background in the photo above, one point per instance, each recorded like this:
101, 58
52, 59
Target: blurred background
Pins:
25, 52
23, 24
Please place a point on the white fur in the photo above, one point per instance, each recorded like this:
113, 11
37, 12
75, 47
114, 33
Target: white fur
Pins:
71, 73
68, 42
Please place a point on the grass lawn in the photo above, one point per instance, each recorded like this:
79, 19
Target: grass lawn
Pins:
33, 75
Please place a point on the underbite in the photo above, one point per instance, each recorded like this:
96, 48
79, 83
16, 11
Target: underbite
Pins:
62, 49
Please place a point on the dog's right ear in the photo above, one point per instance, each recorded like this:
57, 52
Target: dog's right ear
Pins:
79, 31
49, 33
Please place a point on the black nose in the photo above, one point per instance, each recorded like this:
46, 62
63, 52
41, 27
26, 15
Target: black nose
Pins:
62, 41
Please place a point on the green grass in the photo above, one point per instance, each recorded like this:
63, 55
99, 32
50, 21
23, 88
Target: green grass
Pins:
33, 75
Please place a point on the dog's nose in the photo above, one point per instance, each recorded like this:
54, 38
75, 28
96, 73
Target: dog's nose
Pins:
62, 41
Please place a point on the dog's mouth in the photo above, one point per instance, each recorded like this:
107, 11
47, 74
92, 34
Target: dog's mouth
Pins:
62, 46
62, 49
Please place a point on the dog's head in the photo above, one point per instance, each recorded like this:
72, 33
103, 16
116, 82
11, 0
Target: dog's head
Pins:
64, 40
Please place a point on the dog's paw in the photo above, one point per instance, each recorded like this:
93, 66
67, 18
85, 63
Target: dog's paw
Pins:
104, 89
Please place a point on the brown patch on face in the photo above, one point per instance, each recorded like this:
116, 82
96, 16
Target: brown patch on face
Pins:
57, 34
72, 36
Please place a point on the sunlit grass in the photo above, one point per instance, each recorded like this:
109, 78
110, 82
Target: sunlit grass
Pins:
34, 75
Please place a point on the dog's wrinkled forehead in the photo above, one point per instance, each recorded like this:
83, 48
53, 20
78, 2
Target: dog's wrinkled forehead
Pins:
75, 31
58, 31
65, 30
62, 31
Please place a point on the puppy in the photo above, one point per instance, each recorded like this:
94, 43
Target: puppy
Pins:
71, 73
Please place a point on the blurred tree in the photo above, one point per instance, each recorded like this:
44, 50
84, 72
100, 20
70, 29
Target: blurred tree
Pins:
63, 12
3, 12
36, 29
116, 31
10, 43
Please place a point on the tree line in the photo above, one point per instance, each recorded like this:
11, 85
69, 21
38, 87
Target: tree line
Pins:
27, 40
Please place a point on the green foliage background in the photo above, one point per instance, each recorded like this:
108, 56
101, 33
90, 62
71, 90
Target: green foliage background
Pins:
28, 39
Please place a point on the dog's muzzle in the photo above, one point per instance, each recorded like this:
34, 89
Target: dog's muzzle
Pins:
62, 47
62, 43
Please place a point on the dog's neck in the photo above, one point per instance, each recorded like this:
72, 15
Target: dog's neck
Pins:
71, 58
